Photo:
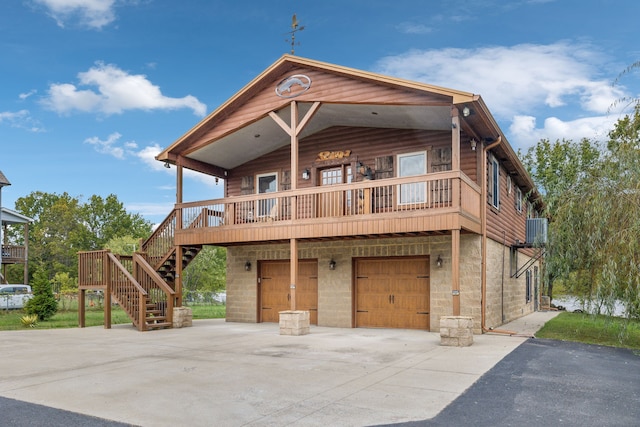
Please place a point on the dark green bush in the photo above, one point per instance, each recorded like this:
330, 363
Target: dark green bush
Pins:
43, 304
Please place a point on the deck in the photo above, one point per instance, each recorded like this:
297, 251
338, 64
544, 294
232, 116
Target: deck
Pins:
436, 202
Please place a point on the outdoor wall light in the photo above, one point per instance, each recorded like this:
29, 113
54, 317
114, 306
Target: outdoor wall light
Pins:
306, 174
466, 112
332, 265
247, 266
167, 165
474, 143
439, 261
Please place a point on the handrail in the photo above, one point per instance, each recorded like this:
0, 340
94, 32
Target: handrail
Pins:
438, 190
141, 262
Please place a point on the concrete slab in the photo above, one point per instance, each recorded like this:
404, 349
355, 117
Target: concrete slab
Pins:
231, 374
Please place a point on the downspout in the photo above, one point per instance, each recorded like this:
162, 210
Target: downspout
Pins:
483, 213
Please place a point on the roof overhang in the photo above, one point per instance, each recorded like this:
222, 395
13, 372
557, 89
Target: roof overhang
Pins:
13, 217
265, 135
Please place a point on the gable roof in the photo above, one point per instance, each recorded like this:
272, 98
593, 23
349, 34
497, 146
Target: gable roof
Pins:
227, 136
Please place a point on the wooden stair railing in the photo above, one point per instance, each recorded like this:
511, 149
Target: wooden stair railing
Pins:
143, 295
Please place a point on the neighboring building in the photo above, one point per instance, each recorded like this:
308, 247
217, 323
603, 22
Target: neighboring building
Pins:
14, 254
368, 200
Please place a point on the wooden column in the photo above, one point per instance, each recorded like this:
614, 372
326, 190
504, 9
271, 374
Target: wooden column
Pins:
26, 253
106, 268
81, 312
178, 278
455, 271
294, 271
455, 140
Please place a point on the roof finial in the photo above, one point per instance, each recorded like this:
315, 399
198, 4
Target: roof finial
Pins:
295, 27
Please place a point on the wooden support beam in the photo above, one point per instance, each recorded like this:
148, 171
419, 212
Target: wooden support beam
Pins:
455, 271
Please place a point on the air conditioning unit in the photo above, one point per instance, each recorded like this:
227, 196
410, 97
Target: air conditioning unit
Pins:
537, 231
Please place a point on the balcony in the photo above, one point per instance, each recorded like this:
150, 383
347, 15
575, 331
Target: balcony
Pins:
436, 202
13, 254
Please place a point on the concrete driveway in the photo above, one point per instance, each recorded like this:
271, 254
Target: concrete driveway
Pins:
231, 374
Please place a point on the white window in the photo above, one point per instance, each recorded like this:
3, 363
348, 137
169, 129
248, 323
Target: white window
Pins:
267, 183
411, 164
518, 199
494, 183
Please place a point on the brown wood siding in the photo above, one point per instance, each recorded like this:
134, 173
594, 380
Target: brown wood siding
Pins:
505, 224
365, 145
325, 88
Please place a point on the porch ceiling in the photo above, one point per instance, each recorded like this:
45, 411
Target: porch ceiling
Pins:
264, 135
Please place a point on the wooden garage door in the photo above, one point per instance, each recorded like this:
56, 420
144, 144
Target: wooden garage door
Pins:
392, 293
275, 295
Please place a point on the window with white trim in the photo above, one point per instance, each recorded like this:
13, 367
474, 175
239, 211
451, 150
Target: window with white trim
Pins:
267, 183
518, 200
411, 164
494, 183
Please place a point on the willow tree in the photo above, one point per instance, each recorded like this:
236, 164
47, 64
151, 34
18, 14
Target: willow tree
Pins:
594, 235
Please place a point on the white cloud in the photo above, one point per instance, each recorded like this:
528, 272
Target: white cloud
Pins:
512, 80
525, 133
93, 14
116, 91
523, 83
412, 28
20, 119
108, 146
26, 95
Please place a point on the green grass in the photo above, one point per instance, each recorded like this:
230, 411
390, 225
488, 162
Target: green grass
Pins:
94, 316
590, 329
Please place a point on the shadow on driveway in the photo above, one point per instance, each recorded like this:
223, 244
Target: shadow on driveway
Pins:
549, 383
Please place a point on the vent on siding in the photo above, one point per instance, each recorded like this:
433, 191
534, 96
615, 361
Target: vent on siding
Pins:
537, 231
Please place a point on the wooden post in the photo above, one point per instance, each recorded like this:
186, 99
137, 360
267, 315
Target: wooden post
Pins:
455, 271
106, 277
294, 271
81, 312
455, 140
178, 279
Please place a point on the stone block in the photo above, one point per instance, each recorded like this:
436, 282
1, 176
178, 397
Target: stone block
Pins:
182, 317
294, 322
456, 331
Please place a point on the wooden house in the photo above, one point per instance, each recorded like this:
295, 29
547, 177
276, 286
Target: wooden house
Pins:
364, 199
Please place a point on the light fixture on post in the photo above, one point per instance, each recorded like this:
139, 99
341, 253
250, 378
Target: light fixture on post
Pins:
439, 261
332, 264
466, 112
306, 174
247, 266
474, 143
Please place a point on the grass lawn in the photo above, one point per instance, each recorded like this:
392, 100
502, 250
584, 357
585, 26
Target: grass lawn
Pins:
94, 316
590, 329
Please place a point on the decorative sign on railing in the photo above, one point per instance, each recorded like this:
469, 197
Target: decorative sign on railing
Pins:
331, 155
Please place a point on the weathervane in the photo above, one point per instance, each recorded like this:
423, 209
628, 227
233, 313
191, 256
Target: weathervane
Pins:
294, 29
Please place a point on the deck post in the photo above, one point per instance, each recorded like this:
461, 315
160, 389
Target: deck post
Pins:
81, 312
106, 277
293, 272
455, 271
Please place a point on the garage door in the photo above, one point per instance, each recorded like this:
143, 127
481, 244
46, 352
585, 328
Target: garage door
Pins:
392, 293
275, 292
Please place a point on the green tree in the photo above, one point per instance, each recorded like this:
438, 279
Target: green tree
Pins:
207, 271
123, 245
63, 226
558, 168
593, 238
43, 304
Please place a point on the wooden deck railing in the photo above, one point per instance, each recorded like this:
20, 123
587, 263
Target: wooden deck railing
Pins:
13, 254
427, 192
132, 282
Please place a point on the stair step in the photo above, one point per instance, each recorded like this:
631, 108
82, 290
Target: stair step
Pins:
159, 325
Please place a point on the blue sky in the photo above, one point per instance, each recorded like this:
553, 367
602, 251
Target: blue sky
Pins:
92, 90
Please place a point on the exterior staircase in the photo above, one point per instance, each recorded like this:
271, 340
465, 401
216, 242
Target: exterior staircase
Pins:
143, 284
